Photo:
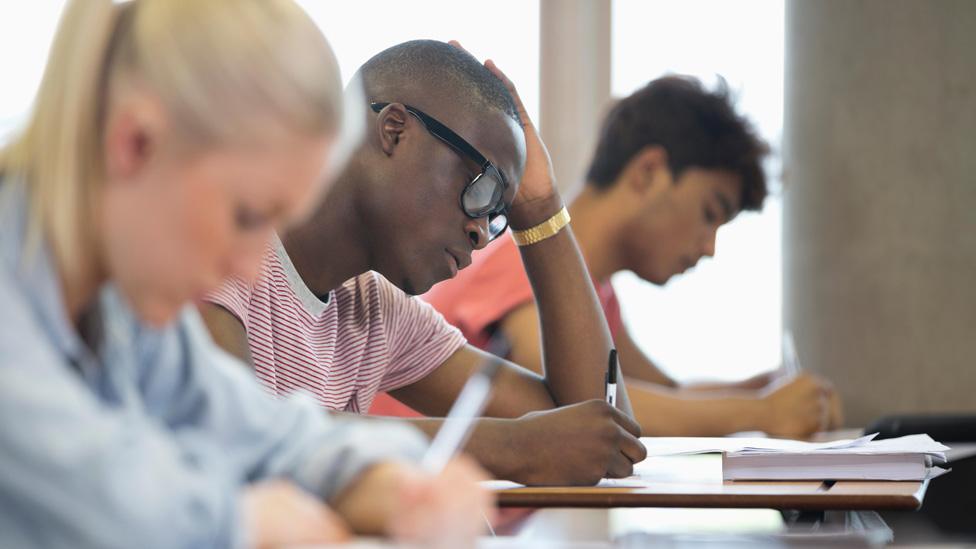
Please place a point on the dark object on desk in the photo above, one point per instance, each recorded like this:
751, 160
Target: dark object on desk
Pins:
944, 428
947, 516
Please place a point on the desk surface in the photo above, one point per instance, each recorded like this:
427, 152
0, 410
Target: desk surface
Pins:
696, 481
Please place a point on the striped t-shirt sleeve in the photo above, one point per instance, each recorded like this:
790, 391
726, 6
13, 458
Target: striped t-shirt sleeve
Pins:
233, 295
418, 338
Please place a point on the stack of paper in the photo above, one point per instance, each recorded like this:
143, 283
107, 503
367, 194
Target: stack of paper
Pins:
913, 457
676, 446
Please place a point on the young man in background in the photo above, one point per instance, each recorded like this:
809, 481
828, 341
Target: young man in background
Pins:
674, 162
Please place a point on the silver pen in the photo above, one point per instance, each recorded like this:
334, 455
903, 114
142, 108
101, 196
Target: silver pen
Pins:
791, 361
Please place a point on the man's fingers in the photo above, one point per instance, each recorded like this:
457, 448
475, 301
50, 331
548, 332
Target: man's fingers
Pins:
631, 447
493, 68
620, 466
458, 45
626, 422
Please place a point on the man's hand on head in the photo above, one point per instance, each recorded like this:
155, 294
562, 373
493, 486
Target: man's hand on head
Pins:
537, 198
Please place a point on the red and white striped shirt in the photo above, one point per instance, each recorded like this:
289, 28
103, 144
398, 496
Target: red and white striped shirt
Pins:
366, 337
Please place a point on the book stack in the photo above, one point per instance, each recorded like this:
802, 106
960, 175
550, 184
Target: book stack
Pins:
913, 457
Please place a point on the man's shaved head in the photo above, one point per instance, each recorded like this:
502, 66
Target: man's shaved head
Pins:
422, 66
405, 184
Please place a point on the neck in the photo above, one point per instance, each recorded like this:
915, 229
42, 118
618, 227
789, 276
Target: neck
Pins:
596, 227
80, 286
331, 246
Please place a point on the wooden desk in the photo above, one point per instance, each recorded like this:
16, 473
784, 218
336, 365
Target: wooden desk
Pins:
696, 481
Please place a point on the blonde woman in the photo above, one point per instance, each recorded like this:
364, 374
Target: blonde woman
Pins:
168, 139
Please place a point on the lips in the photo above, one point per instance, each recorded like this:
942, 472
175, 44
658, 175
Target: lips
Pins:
457, 261
452, 264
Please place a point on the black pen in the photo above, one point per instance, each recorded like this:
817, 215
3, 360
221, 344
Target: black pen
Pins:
612, 379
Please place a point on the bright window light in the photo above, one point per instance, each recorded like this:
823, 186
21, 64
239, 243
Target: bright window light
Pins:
723, 319
26, 32
506, 31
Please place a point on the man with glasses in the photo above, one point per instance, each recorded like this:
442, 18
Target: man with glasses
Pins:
447, 165
485, 195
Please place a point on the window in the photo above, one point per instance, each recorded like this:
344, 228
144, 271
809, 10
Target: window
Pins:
504, 30
26, 32
723, 319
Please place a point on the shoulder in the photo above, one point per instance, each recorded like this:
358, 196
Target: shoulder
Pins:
22, 339
239, 296
370, 293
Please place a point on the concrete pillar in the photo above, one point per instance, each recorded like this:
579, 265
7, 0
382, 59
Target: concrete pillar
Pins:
574, 85
880, 200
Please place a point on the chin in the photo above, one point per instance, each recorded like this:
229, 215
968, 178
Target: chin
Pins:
404, 284
420, 286
659, 279
157, 313
412, 283
417, 288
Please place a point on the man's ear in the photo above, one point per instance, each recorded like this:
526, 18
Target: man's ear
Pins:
391, 124
648, 170
130, 136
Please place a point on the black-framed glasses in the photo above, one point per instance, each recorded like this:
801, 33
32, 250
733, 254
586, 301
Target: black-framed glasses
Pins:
483, 196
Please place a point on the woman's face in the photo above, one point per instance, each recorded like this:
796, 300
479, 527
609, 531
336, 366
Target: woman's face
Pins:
176, 223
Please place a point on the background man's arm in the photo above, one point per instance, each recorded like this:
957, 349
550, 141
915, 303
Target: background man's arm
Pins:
789, 407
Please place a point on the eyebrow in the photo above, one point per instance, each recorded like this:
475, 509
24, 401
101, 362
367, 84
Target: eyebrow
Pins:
726, 205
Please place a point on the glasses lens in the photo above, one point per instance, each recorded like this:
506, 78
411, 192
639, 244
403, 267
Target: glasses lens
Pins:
483, 195
497, 225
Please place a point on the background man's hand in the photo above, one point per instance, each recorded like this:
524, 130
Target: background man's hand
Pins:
796, 407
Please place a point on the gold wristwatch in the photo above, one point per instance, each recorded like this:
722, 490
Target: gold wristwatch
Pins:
542, 231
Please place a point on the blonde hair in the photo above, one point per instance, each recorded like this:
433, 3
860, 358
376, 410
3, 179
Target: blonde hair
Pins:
225, 71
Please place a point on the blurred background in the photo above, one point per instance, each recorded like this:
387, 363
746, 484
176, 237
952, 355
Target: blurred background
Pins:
866, 248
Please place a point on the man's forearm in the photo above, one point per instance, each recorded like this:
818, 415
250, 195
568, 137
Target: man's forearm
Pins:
575, 338
754, 383
667, 412
490, 443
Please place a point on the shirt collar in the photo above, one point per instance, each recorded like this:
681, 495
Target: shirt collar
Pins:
32, 270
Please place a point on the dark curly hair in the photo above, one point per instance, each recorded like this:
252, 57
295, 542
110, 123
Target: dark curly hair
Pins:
696, 127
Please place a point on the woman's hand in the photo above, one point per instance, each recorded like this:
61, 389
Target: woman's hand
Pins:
449, 510
403, 501
279, 513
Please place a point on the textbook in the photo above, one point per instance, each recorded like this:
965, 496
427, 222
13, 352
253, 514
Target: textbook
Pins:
913, 457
